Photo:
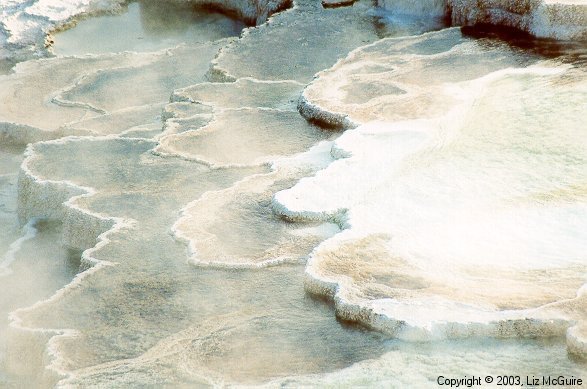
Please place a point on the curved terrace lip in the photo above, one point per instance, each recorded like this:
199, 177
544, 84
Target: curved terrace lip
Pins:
298, 197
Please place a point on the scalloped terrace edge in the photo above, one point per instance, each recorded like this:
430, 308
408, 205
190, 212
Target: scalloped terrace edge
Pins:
64, 195
545, 321
57, 199
82, 229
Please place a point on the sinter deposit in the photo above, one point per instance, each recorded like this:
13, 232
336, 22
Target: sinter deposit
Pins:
346, 194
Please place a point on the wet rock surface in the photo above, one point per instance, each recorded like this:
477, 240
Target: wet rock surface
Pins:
175, 250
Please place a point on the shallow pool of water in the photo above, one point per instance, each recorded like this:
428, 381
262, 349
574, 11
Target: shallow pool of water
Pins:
147, 25
182, 294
